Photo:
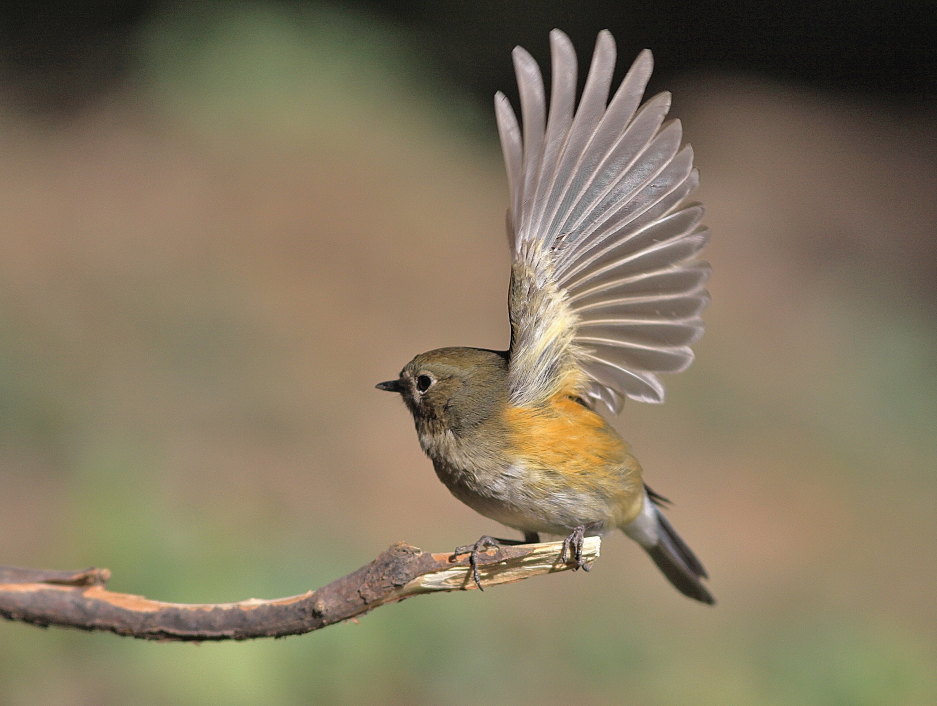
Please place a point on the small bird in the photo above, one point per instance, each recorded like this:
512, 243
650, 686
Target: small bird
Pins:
604, 296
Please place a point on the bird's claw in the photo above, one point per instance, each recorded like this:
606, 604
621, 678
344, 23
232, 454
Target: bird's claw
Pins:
474, 550
572, 549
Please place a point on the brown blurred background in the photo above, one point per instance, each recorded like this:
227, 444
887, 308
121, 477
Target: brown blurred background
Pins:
223, 223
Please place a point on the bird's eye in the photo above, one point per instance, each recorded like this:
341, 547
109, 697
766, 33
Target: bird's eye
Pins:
423, 383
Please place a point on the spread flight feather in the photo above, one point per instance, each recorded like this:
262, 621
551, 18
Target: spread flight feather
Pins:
605, 294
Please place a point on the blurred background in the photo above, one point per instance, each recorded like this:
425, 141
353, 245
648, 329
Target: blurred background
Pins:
224, 222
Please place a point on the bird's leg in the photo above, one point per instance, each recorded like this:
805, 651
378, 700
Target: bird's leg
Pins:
531, 538
572, 548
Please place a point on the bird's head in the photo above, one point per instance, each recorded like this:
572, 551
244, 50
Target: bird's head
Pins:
452, 388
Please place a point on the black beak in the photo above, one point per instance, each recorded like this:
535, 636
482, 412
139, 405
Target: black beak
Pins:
390, 386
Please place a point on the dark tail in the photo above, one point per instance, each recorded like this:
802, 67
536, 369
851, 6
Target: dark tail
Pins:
678, 562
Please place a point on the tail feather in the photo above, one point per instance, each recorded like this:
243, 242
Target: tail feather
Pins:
680, 547
671, 554
679, 564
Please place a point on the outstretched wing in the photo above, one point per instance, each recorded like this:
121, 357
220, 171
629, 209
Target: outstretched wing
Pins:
604, 293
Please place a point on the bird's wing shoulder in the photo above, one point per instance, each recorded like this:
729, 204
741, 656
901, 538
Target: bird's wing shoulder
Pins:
604, 293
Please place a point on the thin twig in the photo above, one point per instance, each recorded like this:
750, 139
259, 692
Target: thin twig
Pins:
80, 599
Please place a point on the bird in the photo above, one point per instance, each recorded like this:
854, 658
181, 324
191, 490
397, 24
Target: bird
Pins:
606, 294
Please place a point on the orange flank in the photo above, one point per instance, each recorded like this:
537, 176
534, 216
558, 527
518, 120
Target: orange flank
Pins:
568, 446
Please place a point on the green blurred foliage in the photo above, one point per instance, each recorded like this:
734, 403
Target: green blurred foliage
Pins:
204, 276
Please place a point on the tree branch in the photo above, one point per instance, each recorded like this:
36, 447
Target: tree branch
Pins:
80, 599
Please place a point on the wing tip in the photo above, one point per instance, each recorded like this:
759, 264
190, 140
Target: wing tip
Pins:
559, 36
645, 56
525, 67
605, 40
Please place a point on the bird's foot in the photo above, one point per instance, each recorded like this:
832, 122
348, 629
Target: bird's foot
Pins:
486, 542
474, 550
572, 549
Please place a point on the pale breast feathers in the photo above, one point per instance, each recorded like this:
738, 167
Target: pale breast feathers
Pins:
605, 294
